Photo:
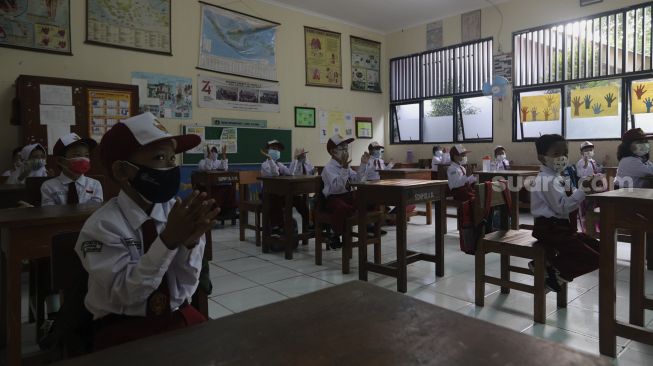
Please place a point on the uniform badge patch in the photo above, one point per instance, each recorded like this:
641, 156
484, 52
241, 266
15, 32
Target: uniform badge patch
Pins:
91, 246
128, 242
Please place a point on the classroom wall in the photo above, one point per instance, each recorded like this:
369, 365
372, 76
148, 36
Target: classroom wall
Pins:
90, 62
517, 15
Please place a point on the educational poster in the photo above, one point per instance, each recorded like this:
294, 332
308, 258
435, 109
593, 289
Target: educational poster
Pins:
199, 131
141, 25
540, 108
42, 25
223, 93
434, 35
237, 43
323, 61
228, 137
106, 108
641, 97
333, 122
365, 65
601, 101
165, 96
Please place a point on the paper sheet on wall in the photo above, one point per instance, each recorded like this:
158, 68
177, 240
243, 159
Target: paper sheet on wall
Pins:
540, 108
199, 131
641, 97
57, 114
334, 122
56, 94
594, 102
54, 133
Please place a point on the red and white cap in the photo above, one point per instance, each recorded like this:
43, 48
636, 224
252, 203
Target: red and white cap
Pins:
134, 133
337, 140
275, 142
27, 150
586, 144
70, 139
374, 145
459, 149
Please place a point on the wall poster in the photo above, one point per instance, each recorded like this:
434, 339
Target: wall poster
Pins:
323, 58
365, 65
106, 108
39, 25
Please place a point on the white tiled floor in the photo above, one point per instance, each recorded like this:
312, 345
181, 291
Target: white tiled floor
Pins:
244, 278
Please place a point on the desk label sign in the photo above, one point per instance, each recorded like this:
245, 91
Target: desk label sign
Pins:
424, 196
227, 179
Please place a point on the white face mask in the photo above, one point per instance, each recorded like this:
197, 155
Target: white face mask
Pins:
463, 160
641, 149
588, 154
558, 164
438, 154
501, 157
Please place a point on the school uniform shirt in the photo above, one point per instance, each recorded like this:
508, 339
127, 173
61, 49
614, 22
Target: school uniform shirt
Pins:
13, 178
121, 275
373, 165
632, 167
502, 164
55, 191
549, 198
208, 164
445, 159
335, 178
271, 168
301, 167
7, 173
457, 176
592, 168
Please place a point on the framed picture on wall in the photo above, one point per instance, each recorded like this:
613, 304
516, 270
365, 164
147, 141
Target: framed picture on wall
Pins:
364, 127
144, 25
589, 2
322, 52
304, 117
36, 25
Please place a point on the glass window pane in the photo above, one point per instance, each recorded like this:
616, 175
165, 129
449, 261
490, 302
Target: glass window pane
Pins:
407, 116
641, 104
593, 110
539, 113
438, 120
477, 117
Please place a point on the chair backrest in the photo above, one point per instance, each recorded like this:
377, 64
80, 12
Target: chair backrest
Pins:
490, 195
66, 268
33, 189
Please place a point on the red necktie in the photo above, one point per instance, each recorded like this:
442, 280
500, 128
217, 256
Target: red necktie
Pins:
159, 301
303, 169
73, 197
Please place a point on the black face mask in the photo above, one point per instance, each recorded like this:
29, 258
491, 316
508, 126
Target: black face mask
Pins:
156, 185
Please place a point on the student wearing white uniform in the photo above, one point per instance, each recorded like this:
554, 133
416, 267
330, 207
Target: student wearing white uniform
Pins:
211, 161
500, 159
16, 162
375, 162
271, 167
577, 253
440, 157
223, 194
633, 155
143, 249
459, 183
72, 154
33, 157
301, 165
587, 166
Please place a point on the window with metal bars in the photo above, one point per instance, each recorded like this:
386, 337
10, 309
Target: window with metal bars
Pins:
426, 89
598, 53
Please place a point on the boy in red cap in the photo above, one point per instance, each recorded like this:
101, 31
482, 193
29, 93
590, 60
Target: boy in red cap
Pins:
336, 177
143, 249
72, 186
459, 183
633, 155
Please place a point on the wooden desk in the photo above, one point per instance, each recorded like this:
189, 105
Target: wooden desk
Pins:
610, 174
10, 194
422, 174
26, 233
400, 193
441, 174
515, 179
623, 209
287, 187
351, 324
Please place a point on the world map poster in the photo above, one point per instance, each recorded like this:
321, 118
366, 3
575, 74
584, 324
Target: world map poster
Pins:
42, 25
236, 43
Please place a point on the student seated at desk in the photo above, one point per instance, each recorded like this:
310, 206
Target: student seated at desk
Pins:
33, 157
16, 162
440, 157
301, 165
500, 161
271, 167
633, 155
223, 194
573, 254
587, 166
459, 183
375, 162
336, 176
143, 249
72, 186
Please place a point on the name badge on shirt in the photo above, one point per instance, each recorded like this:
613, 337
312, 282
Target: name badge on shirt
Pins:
131, 242
91, 246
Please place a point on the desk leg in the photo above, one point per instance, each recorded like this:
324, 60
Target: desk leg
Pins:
266, 223
429, 213
607, 291
243, 215
440, 228
3, 300
289, 233
362, 235
637, 278
13, 311
402, 271
514, 215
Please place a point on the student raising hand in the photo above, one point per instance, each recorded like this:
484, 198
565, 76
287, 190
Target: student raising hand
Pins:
365, 158
188, 220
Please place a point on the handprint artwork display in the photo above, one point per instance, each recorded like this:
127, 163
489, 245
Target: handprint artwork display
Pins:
540, 108
641, 97
594, 102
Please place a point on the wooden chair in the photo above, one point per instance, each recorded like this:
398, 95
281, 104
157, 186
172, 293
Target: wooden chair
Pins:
511, 243
323, 218
249, 202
